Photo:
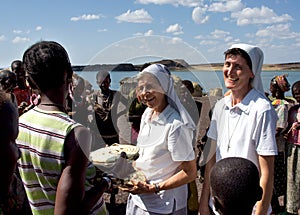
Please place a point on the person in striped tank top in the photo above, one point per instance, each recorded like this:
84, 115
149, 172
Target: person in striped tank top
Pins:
54, 165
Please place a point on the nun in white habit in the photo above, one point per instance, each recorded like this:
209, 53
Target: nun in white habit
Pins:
165, 140
243, 122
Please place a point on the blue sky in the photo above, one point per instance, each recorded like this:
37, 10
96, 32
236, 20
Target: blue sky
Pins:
109, 31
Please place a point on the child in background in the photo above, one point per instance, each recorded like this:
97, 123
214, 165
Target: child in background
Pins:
278, 86
8, 83
293, 154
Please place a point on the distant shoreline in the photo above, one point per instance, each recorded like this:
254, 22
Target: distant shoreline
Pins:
266, 67
178, 65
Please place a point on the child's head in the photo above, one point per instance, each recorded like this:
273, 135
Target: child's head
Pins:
46, 64
296, 91
7, 81
235, 186
279, 85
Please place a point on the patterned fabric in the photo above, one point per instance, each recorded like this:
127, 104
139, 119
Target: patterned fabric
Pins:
294, 117
22, 95
41, 141
279, 175
281, 108
293, 178
103, 115
282, 82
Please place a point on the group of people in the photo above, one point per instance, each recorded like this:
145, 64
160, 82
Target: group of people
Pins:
286, 176
48, 145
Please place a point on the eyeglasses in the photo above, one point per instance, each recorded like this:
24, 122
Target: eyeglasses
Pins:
145, 88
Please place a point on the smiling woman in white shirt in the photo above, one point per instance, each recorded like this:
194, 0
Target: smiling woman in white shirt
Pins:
167, 157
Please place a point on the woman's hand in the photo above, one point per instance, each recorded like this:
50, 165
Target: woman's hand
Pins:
138, 187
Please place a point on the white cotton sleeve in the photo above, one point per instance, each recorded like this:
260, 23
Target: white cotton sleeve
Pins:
180, 142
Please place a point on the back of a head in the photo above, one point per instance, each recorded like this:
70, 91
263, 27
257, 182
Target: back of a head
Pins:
45, 63
16, 65
189, 85
7, 80
101, 75
235, 186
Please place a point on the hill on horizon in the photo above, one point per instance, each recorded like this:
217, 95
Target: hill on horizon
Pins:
179, 64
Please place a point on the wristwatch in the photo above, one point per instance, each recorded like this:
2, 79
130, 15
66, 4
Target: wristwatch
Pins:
157, 188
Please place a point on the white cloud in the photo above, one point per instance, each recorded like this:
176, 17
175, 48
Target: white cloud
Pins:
228, 39
138, 16
85, 17
149, 33
175, 29
102, 30
263, 15
226, 6
138, 34
198, 15
219, 34
216, 37
226, 19
21, 32
2, 38
176, 40
280, 31
187, 3
38, 28
17, 31
20, 40
208, 42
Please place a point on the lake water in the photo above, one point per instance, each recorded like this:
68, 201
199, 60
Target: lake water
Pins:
207, 79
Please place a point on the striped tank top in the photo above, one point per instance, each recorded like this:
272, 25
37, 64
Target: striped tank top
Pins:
41, 141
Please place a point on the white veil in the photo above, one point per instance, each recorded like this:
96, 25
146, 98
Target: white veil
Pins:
257, 57
162, 73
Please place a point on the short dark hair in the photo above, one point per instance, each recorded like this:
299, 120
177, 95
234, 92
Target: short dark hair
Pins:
15, 65
8, 80
189, 85
296, 84
235, 184
45, 63
241, 52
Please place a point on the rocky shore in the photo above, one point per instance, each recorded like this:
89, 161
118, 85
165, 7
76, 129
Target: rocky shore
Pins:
178, 65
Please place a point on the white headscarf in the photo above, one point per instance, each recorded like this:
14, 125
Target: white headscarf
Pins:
257, 58
163, 75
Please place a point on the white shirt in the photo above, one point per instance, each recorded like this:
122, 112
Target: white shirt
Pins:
245, 130
164, 144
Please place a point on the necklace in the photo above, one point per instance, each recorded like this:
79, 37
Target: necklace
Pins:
230, 134
59, 106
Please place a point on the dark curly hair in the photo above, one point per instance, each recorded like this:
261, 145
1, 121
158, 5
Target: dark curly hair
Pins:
45, 63
235, 185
